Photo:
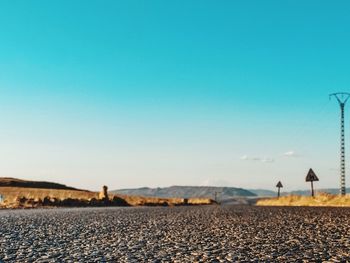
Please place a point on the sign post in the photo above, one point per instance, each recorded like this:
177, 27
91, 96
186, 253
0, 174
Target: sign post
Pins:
311, 177
279, 186
216, 196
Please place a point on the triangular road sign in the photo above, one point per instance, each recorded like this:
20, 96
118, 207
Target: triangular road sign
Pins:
279, 184
311, 176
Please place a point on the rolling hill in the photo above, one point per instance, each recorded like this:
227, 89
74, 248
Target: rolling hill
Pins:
263, 192
14, 182
188, 192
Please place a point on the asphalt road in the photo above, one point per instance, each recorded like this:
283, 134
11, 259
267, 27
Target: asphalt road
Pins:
176, 234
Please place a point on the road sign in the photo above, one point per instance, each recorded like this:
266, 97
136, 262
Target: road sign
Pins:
279, 185
311, 177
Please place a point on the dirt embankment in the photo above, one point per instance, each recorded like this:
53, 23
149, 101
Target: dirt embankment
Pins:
322, 199
19, 193
22, 197
14, 182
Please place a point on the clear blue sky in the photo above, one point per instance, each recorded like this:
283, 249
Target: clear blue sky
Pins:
156, 93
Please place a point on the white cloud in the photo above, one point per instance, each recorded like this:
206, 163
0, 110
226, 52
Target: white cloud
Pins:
268, 160
291, 154
244, 157
257, 159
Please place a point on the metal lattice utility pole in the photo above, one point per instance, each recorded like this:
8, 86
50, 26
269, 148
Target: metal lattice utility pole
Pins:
342, 98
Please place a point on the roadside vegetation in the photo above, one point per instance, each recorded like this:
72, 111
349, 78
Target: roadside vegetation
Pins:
322, 199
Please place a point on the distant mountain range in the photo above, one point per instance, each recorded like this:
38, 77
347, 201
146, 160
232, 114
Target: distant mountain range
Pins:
262, 192
222, 193
188, 191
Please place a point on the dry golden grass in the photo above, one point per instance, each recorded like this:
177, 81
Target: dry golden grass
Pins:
322, 199
11, 194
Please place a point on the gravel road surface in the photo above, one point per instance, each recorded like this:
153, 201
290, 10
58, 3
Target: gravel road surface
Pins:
176, 234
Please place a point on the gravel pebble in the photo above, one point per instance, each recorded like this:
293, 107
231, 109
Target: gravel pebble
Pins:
176, 234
